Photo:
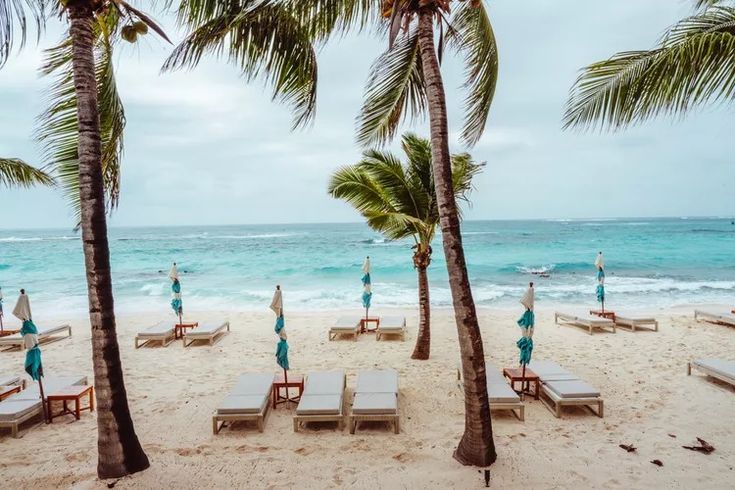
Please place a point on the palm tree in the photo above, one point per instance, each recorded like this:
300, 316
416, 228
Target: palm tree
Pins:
16, 172
72, 135
693, 65
407, 81
400, 201
81, 134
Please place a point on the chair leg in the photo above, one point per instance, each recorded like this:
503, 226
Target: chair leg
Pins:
689, 369
397, 426
295, 425
215, 426
522, 414
600, 409
353, 425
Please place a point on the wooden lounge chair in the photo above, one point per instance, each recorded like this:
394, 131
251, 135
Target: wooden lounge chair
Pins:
717, 368
345, 325
248, 401
562, 388
11, 380
209, 332
584, 320
721, 317
391, 325
322, 400
44, 335
163, 332
634, 322
27, 404
376, 399
499, 392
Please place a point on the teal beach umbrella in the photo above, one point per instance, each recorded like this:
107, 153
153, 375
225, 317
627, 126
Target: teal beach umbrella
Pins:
600, 265
176, 304
33, 365
526, 322
367, 290
280, 329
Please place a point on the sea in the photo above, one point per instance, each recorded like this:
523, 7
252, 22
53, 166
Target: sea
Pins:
650, 263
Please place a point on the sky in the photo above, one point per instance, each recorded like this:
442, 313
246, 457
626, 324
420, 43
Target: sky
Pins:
204, 147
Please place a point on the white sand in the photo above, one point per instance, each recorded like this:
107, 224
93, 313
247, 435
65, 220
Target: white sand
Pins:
173, 392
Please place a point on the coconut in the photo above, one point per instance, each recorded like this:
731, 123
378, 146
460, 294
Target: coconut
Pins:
140, 27
129, 34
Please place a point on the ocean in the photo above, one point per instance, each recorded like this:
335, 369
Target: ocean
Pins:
649, 263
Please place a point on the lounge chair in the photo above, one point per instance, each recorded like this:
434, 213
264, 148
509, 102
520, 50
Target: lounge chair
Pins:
248, 401
322, 400
376, 399
210, 332
584, 320
162, 332
721, 317
27, 404
11, 380
45, 334
391, 325
345, 325
636, 321
501, 395
717, 368
563, 388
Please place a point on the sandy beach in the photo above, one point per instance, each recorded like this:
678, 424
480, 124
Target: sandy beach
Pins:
650, 402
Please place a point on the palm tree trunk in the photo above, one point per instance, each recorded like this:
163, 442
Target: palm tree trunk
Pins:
423, 341
476, 446
119, 452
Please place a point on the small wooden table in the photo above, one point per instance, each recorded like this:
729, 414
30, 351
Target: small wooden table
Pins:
5, 332
516, 374
364, 322
70, 394
295, 381
180, 328
6, 391
610, 315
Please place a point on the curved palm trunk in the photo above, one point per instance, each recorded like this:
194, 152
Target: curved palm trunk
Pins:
421, 260
476, 446
119, 452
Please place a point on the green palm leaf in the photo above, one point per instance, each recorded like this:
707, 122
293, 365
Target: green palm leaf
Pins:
260, 37
472, 34
57, 129
14, 15
17, 173
395, 90
693, 65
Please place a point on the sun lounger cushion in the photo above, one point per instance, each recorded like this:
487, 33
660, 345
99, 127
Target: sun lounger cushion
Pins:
575, 388
719, 366
375, 403
392, 323
550, 370
157, 330
383, 381
628, 318
323, 404
205, 329
13, 408
9, 380
325, 383
50, 384
501, 393
236, 404
253, 384
346, 323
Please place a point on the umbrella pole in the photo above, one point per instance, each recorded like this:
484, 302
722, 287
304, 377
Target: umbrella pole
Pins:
523, 376
43, 400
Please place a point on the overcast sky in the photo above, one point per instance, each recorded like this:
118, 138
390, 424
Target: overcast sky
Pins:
203, 147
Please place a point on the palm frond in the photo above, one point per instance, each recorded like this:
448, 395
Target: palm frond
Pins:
693, 65
262, 39
472, 34
324, 18
703, 4
17, 173
395, 90
14, 20
57, 130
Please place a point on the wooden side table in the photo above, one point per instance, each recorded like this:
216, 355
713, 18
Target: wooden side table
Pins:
6, 391
364, 322
610, 315
180, 328
295, 381
70, 394
515, 375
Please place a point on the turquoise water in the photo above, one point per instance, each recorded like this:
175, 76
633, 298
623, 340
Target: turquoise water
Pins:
649, 263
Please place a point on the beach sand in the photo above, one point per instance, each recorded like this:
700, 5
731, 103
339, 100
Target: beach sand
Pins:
650, 402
